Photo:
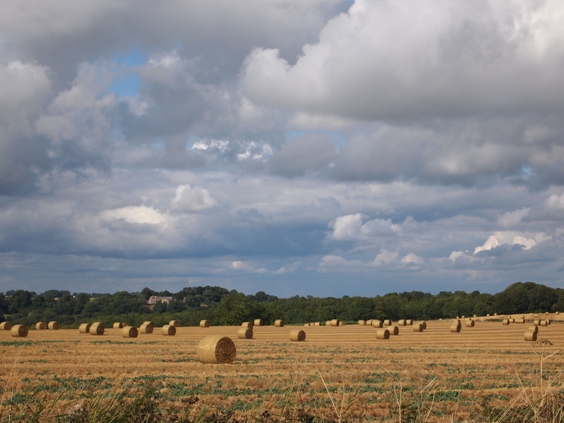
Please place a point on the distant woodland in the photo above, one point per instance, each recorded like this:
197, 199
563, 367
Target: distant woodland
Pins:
223, 307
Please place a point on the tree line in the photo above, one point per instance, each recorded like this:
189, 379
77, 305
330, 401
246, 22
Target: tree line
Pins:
223, 307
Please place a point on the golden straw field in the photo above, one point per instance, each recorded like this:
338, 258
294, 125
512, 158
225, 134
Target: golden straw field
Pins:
340, 373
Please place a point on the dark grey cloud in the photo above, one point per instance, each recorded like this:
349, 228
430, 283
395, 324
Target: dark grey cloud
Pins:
62, 35
303, 155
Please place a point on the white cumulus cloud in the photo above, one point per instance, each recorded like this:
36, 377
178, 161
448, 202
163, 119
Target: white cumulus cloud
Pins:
455, 254
351, 227
136, 214
486, 50
385, 257
192, 199
411, 259
527, 241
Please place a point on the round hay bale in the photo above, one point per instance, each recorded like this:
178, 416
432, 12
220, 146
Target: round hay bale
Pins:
306, 324
248, 325
40, 326
174, 323
455, 327
19, 331
377, 323
424, 325
536, 322
534, 329
5, 326
394, 330
530, 336
387, 322
258, 322
418, 327
118, 325
96, 328
382, 334
328, 323
317, 324
84, 328
168, 330
505, 322
342, 323
519, 320
470, 323
216, 349
362, 322
543, 323
245, 333
204, 323
297, 335
129, 332
147, 327
409, 322
279, 323
402, 322
334, 322
54, 325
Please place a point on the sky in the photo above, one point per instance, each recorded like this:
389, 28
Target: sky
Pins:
320, 147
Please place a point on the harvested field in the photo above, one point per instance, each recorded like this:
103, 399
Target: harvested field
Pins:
456, 372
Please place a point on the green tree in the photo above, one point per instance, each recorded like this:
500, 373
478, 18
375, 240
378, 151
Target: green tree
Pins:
19, 302
235, 309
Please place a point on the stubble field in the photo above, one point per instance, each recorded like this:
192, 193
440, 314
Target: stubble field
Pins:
338, 374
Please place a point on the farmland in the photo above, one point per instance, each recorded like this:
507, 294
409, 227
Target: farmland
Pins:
338, 374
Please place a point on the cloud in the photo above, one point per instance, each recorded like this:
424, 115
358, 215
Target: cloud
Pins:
23, 158
499, 239
347, 227
24, 88
385, 257
455, 254
513, 218
555, 202
301, 155
306, 142
351, 227
454, 60
139, 215
331, 263
188, 199
411, 259
243, 266
291, 268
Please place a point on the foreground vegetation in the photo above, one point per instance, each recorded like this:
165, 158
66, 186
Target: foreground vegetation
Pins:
223, 307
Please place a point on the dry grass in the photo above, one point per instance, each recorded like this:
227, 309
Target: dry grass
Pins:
334, 375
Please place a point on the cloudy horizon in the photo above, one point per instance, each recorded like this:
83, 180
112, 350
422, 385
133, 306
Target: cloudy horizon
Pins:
322, 148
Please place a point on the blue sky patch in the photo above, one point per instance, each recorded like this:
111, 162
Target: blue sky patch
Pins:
126, 83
